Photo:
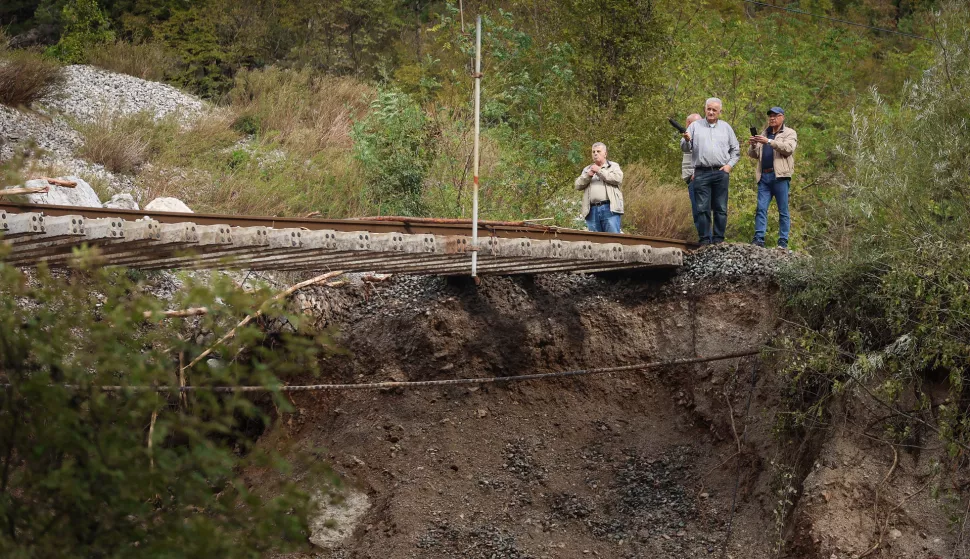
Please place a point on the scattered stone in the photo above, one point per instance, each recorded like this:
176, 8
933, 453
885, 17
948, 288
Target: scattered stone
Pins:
167, 205
337, 517
122, 202
713, 267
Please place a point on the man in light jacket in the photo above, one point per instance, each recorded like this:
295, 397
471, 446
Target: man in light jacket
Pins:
602, 198
774, 151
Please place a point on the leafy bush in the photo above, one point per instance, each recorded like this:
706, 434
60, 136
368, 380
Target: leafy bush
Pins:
884, 306
392, 145
148, 61
85, 27
26, 77
92, 473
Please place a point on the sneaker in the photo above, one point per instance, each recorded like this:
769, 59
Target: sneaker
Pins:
758, 243
782, 244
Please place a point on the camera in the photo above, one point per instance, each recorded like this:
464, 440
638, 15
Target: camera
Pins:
677, 125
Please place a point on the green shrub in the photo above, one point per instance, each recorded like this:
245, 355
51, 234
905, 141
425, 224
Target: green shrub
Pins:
85, 27
392, 145
92, 473
26, 77
884, 304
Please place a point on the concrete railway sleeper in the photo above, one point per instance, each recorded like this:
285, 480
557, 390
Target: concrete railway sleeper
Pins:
134, 240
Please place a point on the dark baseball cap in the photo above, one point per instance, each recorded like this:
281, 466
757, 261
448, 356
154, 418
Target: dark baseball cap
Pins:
776, 111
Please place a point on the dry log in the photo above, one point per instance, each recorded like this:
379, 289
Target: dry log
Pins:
195, 311
24, 190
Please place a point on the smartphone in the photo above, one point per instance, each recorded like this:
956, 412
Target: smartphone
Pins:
754, 131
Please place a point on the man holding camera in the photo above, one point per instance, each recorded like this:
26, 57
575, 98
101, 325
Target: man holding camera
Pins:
602, 198
774, 151
687, 171
714, 151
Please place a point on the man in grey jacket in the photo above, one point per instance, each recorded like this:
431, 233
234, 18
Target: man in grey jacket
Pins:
715, 151
602, 198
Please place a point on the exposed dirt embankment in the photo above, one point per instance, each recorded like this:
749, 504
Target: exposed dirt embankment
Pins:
632, 465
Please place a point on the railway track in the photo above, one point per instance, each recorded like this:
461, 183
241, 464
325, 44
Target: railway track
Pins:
37, 233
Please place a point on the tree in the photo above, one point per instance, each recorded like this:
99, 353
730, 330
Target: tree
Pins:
85, 26
86, 472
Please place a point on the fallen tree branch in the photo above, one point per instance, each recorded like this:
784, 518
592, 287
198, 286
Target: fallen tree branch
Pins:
194, 311
25, 190
376, 278
58, 182
282, 295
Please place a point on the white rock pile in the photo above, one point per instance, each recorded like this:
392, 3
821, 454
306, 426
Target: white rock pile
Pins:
89, 92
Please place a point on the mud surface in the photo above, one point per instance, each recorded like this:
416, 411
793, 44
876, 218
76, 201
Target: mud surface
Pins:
626, 465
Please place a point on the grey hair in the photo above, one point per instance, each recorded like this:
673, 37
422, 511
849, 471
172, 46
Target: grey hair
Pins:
601, 144
713, 100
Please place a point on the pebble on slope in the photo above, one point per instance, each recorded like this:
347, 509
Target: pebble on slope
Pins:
88, 92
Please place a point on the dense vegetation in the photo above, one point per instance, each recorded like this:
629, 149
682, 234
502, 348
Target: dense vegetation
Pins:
375, 96
138, 473
364, 108
883, 310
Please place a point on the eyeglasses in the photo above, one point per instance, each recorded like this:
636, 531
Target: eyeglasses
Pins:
774, 115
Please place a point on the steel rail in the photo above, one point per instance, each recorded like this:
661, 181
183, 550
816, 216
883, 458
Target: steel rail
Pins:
418, 226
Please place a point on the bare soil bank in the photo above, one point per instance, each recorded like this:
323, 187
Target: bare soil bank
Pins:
632, 465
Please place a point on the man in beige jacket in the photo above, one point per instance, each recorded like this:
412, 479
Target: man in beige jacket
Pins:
774, 151
602, 198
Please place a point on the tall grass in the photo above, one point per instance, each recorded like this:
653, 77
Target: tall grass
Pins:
148, 61
303, 111
121, 143
26, 77
299, 161
655, 208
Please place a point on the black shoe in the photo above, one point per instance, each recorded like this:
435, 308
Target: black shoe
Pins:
783, 245
758, 243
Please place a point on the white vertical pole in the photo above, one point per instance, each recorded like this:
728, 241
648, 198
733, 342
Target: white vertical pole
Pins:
478, 99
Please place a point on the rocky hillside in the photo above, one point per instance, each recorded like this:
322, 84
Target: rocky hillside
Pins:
48, 130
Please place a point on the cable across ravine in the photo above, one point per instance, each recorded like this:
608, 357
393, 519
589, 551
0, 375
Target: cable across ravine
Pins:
421, 383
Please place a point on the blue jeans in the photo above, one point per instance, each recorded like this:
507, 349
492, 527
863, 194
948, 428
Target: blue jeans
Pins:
603, 220
769, 186
710, 205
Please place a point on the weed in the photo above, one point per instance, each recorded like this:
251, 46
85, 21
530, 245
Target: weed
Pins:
99, 184
26, 77
654, 208
120, 143
148, 61
303, 111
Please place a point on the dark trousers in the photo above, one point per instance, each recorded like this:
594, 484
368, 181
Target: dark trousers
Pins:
710, 205
690, 194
